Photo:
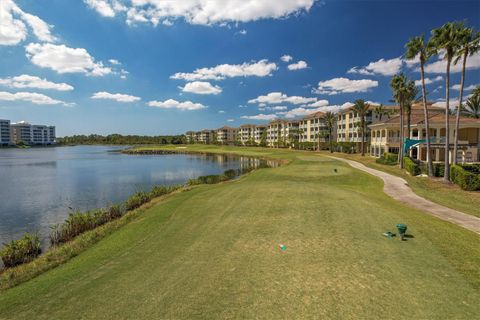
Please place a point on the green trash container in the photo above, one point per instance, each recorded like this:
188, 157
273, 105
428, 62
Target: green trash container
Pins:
402, 229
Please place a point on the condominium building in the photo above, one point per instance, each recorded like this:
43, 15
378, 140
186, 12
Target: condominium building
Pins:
5, 138
386, 136
282, 133
258, 133
32, 134
247, 134
190, 136
205, 136
226, 135
314, 129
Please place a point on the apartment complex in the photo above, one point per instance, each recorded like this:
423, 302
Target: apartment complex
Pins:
250, 134
24, 132
282, 133
313, 128
226, 135
386, 136
5, 139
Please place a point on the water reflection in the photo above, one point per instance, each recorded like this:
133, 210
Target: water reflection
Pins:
38, 187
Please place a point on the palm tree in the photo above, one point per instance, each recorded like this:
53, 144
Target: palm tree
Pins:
472, 108
380, 111
446, 38
361, 108
398, 85
470, 44
330, 120
411, 93
416, 47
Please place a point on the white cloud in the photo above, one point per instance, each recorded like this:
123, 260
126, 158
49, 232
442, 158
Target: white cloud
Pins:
275, 108
428, 80
221, 111
63, 59
261, 116
242, 32
286, 58
440, 66
382, 67
33, 97
296, 113
298, 66
261, 68
204, 12
319, 103
201, 87
174, 104
114, 61
119, 97
344, 85
27, 81
101, 6
242, 106
12, 25
278, 97
230, 120
467, 88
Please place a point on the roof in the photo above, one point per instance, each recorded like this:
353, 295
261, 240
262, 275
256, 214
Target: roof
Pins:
418, 118
317, 114
226, 128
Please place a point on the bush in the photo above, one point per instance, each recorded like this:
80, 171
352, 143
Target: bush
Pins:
388, 159
465, 179
230, 174
345, 147
158, 191
137, 200
412, 167
21, 251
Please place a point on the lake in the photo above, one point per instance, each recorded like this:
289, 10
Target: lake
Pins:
40, 186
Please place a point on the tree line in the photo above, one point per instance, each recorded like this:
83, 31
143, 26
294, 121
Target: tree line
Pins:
120, 139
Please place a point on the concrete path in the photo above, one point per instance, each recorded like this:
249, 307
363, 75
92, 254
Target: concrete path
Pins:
398, 189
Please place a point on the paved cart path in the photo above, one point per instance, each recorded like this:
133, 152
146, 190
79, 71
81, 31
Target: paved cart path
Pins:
398, 189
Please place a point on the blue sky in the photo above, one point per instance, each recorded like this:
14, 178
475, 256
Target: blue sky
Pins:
164, 67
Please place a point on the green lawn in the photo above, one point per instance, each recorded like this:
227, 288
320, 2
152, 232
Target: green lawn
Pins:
448, 195
213, 253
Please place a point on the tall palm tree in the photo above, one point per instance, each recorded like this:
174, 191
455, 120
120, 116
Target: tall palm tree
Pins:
470, 44
411, 92
446, 38
472, 108
361, 108
416, 48
330, 121
398, 85
380, 111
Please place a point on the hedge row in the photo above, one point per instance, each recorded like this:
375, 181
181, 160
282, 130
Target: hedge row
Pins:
21, 251
389, 159
466, 176
411, 167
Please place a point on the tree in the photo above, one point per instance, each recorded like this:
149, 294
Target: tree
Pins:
398, 85
416, 48
380, 111
446, 38
411, 93
469, 45
472, 108
330, 121
361, 108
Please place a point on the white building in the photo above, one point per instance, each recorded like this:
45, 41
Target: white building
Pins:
32, 134
5, 138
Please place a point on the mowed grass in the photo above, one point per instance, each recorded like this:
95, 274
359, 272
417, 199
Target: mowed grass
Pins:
448, 195
213, 253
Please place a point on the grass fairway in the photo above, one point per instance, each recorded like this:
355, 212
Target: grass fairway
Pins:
213, 253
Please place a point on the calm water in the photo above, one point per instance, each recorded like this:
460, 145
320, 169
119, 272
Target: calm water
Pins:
39, 187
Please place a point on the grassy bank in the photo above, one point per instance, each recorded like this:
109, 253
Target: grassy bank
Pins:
448, 195
213, 252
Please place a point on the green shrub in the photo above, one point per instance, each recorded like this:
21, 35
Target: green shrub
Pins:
412, 167
230, 174
137, 200
465, 179
21, 251
388, 159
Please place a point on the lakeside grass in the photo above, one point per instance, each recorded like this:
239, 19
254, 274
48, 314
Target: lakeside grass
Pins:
435, 190
212, 252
